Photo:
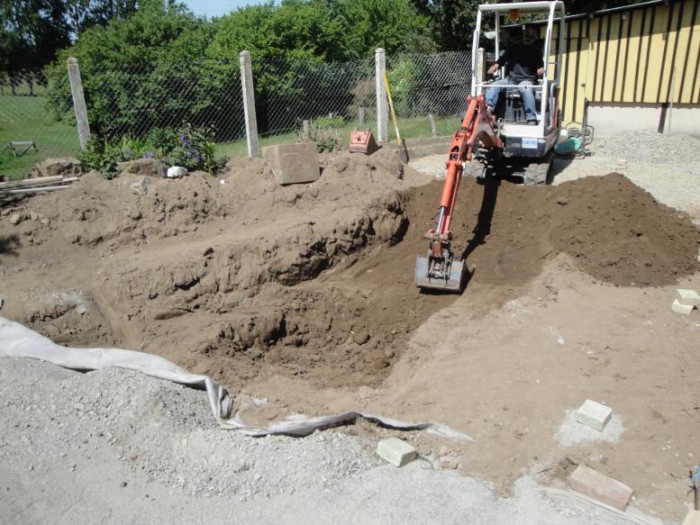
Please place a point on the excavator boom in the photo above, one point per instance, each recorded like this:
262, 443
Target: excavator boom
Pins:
439, 270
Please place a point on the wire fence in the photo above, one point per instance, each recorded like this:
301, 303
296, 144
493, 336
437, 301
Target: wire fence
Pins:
435, 85
138, 102
28, 131
289, 92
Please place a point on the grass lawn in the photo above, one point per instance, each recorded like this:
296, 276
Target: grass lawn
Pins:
413, 128
24, 118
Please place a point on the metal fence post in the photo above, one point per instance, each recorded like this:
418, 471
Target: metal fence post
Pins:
251, 122
81, 116
479, 72
382, 109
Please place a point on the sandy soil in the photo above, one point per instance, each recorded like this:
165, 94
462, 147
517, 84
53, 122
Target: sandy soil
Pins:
304, 295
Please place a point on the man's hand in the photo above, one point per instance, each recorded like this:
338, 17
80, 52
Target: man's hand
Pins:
495, 67
540, 72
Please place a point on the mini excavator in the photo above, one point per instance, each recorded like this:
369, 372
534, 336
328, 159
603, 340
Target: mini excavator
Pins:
503, 138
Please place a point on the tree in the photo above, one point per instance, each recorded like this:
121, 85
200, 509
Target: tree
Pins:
32, 32
146, 72
84, 14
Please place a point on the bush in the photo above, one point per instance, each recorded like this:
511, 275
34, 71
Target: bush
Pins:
189, 147
324, 132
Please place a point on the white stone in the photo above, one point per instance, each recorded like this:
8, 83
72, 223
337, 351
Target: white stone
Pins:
175, 172
680, 308
396, 451
594, 414
688, 297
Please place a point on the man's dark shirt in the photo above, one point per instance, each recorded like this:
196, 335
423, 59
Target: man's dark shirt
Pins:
522, 61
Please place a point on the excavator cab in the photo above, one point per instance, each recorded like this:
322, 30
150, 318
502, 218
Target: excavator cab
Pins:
499, 134
527, 146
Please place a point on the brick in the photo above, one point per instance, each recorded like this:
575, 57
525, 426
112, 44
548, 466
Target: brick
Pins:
688, 297
593, 414
396, 451
292, 163
679, 308
692, 518
599, 486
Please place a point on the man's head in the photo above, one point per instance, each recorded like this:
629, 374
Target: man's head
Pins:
529, 35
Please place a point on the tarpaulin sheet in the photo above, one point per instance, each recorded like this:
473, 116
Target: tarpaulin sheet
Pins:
17, 340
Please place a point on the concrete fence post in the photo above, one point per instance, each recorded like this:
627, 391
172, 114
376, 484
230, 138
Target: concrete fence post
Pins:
433, 126
81, 116
382, 105
251, 122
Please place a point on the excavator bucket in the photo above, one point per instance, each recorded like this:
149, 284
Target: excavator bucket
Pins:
453, 280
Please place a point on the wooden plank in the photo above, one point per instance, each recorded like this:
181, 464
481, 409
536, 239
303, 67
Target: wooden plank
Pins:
34, 190
29, 183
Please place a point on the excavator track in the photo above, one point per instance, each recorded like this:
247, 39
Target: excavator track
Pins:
538, 173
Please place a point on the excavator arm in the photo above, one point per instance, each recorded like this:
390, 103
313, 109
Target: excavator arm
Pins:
438, 270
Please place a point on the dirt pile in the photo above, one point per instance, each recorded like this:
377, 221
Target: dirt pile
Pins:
615, 231
239, 277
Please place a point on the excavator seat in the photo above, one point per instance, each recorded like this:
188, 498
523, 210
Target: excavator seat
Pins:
514, 111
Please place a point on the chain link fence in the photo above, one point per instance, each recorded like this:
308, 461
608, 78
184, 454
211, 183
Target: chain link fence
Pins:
140, 100
28, 131
435, 85
291, 95
290, 92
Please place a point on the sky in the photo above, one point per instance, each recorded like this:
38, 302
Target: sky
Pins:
212, 8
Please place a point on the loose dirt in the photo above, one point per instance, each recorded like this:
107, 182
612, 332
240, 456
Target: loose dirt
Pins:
304, 295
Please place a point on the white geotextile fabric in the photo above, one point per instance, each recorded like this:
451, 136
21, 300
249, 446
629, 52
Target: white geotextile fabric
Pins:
17, 340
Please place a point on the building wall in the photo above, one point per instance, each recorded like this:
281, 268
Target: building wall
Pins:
645, 56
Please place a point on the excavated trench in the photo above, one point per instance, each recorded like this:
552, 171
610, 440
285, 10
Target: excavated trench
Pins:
244, 279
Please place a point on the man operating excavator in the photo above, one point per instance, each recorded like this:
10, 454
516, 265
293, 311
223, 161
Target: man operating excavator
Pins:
524, 66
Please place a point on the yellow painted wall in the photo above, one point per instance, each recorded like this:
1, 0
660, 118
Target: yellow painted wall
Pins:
645, 55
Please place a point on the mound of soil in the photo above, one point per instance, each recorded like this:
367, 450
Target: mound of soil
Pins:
239, 277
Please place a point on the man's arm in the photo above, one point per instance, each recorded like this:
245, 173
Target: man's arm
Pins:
503, 59
540, 65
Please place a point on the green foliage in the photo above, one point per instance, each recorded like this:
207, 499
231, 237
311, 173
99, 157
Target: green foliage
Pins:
195, 150
148, 61
101, 156
33, 31
324, 132
402, 82
189, 147
328, 30
331, 121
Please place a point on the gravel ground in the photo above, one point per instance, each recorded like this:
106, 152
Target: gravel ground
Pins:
115, 446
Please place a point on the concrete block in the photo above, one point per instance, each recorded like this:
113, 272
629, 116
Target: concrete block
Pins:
599, 486
692, 518
292, 163
396, 451
680, 308
593, 414
688, 297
